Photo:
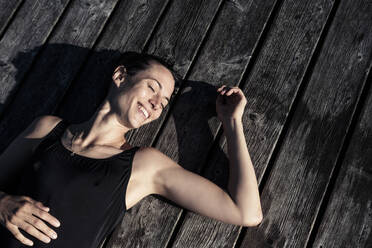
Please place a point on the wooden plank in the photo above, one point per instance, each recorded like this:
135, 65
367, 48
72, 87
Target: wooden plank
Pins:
130, 27
56, 66
270, 90
7, 10
29, 30
159, 218
180, 34
177, 40
306, 159
348, 218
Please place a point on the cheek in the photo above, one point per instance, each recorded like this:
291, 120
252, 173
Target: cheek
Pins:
138, 92
156, 115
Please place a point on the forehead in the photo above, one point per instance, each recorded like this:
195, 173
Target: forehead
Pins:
160, 73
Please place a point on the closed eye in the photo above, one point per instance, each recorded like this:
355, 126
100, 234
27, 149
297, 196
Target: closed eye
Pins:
162, 105
151, 88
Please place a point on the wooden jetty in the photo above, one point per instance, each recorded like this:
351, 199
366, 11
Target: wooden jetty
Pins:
304, 66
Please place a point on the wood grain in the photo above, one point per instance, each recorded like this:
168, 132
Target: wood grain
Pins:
177, 40
270, 89
130, 27
306, 158
347, 220
7, 10
55, 67
28, 31
302, 65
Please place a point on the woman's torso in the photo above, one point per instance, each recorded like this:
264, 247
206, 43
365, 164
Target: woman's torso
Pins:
88, 196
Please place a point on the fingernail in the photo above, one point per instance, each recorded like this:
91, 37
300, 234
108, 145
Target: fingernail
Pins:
30, 243
54, 235
58, 223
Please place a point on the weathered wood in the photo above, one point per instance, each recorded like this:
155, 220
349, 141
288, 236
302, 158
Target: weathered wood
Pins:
294, 191
270, 89
29, 30
182, 29
56, 66
178, 40
130, 27
7, 10
304, 164
347, 221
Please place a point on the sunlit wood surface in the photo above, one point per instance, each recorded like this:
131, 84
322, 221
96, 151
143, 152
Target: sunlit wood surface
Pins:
304, 67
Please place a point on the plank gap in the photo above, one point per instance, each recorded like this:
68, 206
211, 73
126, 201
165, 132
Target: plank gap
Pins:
163, 14
261, 40
11, 18
176, 228
205, 39
89, 55
9, 101
301, 90
181, 86
355, 120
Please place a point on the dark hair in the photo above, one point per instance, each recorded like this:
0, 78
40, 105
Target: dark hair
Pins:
135, 62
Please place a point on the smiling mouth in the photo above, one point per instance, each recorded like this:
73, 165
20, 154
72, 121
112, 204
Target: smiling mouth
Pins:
143, 110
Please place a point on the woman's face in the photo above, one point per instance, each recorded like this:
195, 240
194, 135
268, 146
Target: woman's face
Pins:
142, 97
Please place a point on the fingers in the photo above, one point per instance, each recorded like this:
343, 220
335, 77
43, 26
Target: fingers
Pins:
18, 235
45, 216
231, 91
39, 224
21, 212
226, 90
31, 230
37, 203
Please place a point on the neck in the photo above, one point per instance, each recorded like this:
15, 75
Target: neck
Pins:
102, 129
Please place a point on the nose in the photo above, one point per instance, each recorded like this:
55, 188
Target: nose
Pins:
155, 102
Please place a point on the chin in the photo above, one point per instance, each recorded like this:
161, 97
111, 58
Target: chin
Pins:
135, 120
135, 123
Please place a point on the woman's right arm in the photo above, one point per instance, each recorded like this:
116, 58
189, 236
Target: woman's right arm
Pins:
20, 211
20, 150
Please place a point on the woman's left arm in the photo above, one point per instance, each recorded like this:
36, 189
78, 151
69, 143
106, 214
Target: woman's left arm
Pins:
242, 184
202, 196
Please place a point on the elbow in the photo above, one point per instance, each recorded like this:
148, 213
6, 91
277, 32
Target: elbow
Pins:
253, 220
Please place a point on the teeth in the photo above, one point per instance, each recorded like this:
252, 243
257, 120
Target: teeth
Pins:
144, 111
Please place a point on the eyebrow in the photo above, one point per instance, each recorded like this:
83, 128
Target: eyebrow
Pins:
161, 87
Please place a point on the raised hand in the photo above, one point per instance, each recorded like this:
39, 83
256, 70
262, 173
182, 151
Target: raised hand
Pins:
230, 103
22, 212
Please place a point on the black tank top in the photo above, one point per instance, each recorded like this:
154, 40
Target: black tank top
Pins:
86, 195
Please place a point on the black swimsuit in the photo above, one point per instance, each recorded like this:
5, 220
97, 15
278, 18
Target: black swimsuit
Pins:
86, 195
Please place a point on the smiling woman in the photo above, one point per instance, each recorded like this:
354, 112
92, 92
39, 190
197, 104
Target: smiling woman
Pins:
106, 175
148, 91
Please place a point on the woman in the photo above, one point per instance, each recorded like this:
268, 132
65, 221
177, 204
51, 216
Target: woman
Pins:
87, 175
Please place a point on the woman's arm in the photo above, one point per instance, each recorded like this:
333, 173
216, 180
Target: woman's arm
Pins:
242, 181
18, 212
202, 196
242, 184
189, 190
20, 150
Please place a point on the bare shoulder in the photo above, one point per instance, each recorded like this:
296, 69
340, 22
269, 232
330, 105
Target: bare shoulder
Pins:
154, 157
41, 126
154, 163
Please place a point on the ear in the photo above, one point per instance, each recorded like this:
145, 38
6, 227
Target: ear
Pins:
119, 75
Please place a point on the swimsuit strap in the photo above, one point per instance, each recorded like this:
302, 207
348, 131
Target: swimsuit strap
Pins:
50, 138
